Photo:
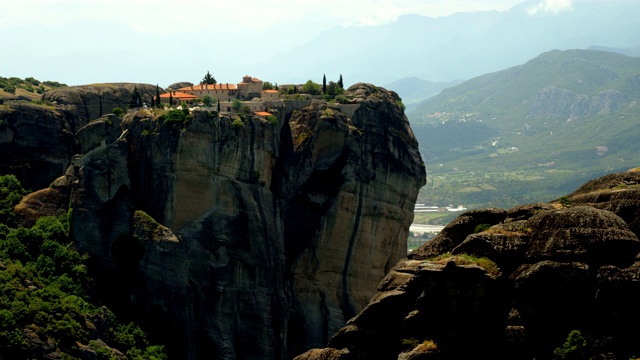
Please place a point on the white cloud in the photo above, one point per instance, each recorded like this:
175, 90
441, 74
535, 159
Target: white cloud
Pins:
550, 6
167, 16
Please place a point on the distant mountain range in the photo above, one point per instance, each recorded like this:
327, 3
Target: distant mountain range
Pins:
413, 90
533, 131
457, 47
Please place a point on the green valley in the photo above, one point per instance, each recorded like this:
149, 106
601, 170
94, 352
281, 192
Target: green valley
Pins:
532, 132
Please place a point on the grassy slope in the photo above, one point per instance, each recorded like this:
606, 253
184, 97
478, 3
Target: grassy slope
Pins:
469, 150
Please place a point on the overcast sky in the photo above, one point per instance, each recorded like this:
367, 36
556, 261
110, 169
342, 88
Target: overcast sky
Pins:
87, 41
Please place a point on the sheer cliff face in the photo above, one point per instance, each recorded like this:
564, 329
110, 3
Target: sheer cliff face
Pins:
35, 143
269, 237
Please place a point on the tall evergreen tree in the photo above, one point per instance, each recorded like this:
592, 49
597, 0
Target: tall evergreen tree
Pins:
218, 105
170, 98
157, 95
324, 83
340, 82
136, 100
208, 79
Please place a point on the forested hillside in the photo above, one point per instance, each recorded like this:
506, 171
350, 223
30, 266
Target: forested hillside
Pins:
46, 302
532, 132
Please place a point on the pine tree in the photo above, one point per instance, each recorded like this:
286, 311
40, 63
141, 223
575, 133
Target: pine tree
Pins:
136, 100
340, 82
170, 98
208, 79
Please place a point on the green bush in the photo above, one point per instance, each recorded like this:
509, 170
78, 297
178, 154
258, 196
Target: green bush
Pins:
237, 124
481, 228
11, 192
272, 120
10, 88
236, 105
173, 117
117, 111
573, 348
409, 344
465, 259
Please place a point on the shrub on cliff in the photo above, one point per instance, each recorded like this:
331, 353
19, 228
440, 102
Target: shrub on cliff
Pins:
464, 259
237, 124
172, 117
573, 348
11, 192
272, 120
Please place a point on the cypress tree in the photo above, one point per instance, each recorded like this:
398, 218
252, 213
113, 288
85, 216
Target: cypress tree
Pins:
136, 100
340, 82
324, 83
157, 95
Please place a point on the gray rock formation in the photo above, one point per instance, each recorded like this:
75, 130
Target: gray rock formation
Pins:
562, 266
84, 103
562, 103
249, 240
35, 143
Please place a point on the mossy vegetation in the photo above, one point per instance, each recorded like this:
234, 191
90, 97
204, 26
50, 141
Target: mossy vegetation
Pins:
29, 87
173, 117
238, 124
464, 259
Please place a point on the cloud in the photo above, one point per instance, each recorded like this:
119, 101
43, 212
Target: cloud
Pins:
550, 6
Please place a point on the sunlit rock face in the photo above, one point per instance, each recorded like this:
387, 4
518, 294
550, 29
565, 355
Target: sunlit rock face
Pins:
242, 238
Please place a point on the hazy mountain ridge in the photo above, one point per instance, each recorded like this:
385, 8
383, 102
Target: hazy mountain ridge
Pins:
414, 91
462, 45
524, 130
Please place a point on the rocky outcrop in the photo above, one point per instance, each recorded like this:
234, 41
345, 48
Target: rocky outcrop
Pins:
50, 201
36, 144
234, 237
567, 265
562, 103
37, 141
84, 103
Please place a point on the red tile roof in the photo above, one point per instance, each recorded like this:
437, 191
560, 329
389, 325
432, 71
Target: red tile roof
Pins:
209, 87
178, 95
263, 113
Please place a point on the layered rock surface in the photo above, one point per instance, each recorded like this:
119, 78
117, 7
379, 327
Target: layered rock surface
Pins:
566, 265
248, 239
37, 142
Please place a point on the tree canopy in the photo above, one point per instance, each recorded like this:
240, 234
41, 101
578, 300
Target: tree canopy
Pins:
311, 88
208, 100
136, 99
208, 79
